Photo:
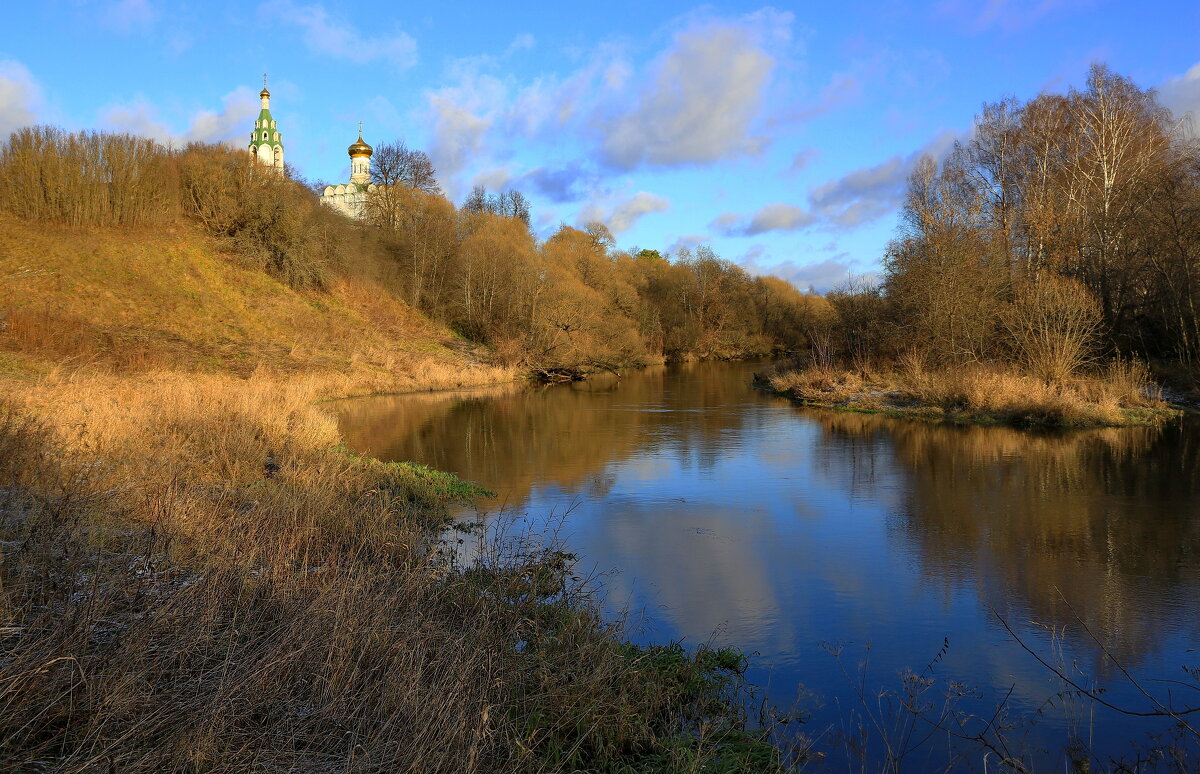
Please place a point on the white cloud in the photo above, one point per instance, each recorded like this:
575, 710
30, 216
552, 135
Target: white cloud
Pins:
703, 99
1182, 94
772, 217
129, 15
458, 137
822, 275
543, 109
462, 115
331, 37
725, 222
1008, 15
778, 217
802, 159
842, 89
139, 117
700, 101
869, 193
623, 215
20, 98
494, 179
238, 109
523, 42
686, 242
561, 183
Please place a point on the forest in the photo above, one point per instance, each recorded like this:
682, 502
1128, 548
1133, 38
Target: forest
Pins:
1052, 257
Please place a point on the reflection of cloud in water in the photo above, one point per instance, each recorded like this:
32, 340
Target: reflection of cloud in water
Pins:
725, 509
703, 571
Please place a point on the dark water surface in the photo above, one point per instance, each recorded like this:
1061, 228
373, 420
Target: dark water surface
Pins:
725, 513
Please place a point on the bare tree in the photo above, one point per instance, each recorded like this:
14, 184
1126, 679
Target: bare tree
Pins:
395, 163
507, 204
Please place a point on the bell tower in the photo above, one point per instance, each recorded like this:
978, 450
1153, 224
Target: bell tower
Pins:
266, 143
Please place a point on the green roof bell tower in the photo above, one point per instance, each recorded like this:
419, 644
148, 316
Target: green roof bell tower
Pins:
266, 143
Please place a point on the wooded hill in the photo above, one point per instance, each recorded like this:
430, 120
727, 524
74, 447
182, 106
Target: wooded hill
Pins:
126, 250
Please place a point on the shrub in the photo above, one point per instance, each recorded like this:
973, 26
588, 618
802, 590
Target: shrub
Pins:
1052, 323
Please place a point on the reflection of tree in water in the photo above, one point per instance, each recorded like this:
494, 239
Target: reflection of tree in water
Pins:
1111, 518
511, 439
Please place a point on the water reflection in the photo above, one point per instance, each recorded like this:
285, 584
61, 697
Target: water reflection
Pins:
726, 510
1098, 528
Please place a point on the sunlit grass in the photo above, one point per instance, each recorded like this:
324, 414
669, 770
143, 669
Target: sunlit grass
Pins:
1121, 393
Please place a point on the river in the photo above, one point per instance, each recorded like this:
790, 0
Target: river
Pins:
716, 512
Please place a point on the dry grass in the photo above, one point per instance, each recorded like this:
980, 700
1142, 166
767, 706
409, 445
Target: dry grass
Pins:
195, 577
1121, 393
816, 384
128, 301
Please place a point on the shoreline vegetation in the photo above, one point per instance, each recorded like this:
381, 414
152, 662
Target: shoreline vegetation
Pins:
1123, 396
198, 576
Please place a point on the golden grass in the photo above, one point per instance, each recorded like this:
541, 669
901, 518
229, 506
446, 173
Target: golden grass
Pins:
196, 577
1120, 394
132, 301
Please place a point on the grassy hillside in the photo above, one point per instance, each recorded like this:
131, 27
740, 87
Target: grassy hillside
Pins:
109, 300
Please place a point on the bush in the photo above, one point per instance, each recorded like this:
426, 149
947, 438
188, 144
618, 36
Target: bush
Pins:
1052, 323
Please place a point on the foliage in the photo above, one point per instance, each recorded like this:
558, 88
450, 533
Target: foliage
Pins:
1063, 230
573, 302
85, 178
507, 204
397, 164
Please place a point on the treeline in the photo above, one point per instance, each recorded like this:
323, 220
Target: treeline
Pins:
1065, 228
572, 301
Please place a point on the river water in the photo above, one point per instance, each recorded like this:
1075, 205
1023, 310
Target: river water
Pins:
719, 513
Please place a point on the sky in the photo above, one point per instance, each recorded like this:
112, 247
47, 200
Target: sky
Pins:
779, 135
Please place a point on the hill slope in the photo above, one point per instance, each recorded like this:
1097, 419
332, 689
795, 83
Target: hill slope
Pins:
132, 300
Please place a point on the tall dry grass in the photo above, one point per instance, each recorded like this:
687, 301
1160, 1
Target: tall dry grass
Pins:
195, 577
1117, 393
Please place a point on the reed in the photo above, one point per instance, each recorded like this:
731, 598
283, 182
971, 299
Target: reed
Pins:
1118, 393
197, 577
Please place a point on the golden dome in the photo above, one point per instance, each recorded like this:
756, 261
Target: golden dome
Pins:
359, 148
264, 92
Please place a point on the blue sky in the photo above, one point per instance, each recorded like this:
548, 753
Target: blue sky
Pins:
780, 135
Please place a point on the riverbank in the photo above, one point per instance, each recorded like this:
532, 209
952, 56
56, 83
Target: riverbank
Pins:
1122, 396
197, 575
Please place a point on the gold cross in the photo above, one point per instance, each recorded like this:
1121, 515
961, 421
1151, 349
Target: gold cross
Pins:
264, 80
360, 129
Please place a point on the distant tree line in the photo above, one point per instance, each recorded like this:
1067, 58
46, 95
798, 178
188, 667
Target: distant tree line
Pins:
574, 299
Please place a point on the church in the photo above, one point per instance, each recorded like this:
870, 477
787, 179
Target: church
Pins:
266, 143
350, 198
266, 149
